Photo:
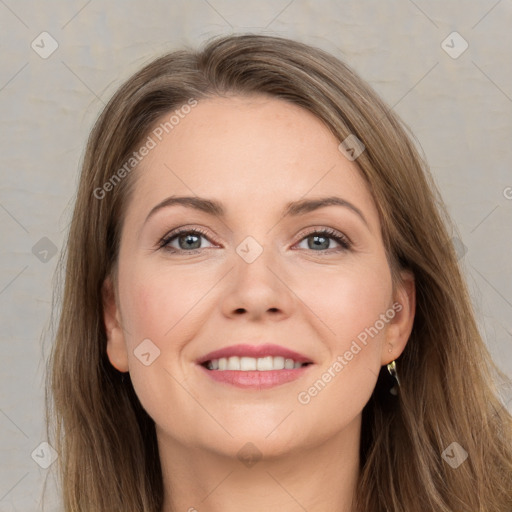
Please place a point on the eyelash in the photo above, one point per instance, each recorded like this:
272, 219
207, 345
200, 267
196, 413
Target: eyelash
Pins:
342, 240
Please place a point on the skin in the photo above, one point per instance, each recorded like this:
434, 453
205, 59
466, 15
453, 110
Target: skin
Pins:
254, 155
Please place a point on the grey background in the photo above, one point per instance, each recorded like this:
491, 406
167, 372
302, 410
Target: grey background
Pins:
460, 110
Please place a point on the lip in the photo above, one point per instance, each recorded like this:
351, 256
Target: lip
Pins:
255, 379
255, 351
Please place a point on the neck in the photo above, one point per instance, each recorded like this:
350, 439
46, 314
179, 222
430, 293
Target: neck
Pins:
315, 478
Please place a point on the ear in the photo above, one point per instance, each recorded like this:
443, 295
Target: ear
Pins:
116, 346
400, 326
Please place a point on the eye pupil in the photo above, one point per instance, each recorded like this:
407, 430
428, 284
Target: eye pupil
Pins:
317, 243
188, 238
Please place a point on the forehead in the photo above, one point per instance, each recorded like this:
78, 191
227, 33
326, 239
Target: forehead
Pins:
249, 152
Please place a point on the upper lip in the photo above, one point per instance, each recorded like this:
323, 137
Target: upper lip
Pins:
255, 351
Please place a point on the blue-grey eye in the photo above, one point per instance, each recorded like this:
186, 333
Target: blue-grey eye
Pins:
321, 241
188, 240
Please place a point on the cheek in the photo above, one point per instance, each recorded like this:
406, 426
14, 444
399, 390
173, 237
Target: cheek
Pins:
348, 300
155, 303
351, 305
161, 307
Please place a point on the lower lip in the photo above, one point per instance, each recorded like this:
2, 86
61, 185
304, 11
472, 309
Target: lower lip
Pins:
256, 379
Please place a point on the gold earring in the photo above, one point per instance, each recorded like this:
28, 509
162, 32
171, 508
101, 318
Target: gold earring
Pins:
392, 371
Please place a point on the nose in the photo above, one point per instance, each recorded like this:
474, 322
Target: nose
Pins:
258, 289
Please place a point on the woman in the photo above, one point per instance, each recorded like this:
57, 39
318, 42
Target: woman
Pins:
262, 306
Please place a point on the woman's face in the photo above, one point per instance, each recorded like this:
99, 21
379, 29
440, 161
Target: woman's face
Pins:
260, 272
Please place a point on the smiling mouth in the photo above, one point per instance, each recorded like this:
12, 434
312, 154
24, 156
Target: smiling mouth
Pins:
247, 364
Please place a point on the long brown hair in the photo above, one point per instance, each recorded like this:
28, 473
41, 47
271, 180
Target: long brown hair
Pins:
108, 456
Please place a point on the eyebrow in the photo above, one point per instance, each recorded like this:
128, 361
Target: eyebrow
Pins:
292, 209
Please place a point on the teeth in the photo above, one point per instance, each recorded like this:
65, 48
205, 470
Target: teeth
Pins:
289, 364
233, 363
245, 364
265, 363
